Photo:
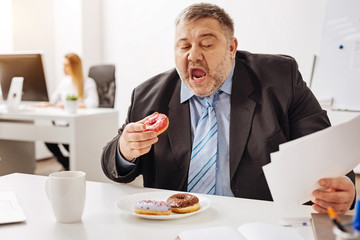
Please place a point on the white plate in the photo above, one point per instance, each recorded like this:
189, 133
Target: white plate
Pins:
127, 204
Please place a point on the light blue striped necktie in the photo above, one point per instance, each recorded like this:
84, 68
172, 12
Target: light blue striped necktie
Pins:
202, 171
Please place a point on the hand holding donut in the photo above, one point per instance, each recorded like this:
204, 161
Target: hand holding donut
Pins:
138, 137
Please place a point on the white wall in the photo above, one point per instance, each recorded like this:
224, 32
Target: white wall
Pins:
54, 27
6, 39
138, 35
34, 30
68, 38
92, 37
77, 29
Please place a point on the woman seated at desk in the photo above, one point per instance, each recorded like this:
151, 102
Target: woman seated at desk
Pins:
73, 84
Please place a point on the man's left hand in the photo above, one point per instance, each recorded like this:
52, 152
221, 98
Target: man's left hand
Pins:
337, 193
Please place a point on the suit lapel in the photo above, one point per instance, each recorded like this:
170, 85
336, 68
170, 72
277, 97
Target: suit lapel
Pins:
179, 137
242, 111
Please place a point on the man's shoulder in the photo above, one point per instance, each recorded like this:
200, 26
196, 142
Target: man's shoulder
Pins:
159, 88
160, 80
264, 64
269, 71
255, 58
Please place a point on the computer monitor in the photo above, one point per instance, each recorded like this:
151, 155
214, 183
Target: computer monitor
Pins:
30, 67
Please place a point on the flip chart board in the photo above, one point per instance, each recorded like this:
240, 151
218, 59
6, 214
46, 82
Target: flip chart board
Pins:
337, 71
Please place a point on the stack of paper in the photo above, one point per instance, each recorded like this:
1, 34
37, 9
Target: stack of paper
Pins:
10, 210
295, 169
247, 231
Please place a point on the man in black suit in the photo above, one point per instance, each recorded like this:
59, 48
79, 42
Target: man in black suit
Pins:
260, 101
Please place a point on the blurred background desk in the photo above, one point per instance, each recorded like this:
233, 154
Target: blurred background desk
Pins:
102, 219
86, 132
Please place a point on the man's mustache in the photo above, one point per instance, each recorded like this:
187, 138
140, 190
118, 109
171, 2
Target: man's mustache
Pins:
197, 64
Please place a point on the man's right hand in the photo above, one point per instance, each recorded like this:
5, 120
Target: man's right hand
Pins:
135, 142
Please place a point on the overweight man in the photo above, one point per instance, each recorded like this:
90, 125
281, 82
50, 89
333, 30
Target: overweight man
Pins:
228, 110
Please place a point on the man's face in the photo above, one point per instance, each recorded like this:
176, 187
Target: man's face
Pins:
204, 56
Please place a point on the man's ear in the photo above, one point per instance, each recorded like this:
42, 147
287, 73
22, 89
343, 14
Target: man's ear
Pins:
233, 47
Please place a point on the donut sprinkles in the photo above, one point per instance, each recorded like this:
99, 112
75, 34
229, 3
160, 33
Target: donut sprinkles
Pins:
150, 207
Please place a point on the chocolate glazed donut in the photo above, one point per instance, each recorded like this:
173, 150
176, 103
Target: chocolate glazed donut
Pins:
183, 203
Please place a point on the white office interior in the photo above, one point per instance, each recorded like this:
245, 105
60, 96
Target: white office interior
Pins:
138, 38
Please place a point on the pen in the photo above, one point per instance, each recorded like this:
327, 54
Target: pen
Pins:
335, 219
356, 222
298, 224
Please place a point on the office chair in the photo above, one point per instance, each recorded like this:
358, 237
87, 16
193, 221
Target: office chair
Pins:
104, 77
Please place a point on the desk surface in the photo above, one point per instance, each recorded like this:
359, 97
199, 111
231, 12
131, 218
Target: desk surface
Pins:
102, 220
26, 111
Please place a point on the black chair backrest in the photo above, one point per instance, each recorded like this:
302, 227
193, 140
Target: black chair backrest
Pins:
104, 77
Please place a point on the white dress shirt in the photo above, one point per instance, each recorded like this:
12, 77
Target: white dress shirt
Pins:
67, 87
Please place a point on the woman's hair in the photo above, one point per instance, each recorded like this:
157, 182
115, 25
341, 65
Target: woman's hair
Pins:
204, 10
76, 73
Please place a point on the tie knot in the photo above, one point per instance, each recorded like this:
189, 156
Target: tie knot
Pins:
209, 100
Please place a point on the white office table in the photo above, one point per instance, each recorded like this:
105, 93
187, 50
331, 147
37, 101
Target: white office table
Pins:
86, 131
102, 219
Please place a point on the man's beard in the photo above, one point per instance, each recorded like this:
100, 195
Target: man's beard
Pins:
218, 75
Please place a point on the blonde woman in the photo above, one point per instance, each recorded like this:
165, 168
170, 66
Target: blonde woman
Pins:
74, 83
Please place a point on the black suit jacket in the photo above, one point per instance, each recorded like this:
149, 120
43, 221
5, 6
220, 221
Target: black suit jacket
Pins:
270, 104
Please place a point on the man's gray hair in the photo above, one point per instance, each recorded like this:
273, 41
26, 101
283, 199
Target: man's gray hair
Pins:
204, 10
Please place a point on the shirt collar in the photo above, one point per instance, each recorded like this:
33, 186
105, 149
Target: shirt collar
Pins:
186, 94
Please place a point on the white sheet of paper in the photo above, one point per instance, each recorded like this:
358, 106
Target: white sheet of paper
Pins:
295, 169
10, 209
261, 231
247, 231
214, 233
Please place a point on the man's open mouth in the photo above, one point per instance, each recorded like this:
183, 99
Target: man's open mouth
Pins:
197, 73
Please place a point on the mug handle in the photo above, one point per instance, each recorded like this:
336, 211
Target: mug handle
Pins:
47, 189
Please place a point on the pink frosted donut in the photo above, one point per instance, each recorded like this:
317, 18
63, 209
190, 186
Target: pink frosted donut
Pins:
150, 207
157, 122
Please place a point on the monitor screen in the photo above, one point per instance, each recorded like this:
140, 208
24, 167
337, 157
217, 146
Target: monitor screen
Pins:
30, 67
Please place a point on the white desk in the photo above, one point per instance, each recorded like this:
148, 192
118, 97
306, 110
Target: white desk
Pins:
102, 220
338, 117
87, 133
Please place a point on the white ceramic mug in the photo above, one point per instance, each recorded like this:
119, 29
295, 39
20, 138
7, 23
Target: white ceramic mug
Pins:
66, 191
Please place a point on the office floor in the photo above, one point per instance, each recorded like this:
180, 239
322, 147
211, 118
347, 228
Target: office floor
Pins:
46, 166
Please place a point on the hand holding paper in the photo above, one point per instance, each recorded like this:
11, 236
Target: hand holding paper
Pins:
337, 190
295, 170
